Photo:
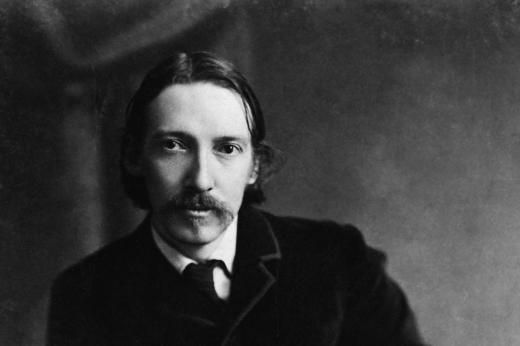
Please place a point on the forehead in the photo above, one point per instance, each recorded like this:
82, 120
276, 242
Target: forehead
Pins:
200, 109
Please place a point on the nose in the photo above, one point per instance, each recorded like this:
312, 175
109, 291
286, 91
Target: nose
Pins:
200, 175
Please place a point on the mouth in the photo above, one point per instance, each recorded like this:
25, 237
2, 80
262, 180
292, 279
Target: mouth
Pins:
197, 212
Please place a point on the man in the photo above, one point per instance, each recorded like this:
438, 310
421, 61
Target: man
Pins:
205, 267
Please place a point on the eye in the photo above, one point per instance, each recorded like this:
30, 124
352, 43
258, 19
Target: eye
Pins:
229, 149
172, 144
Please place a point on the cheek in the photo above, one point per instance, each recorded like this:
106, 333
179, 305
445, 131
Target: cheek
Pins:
236, 180
160, 175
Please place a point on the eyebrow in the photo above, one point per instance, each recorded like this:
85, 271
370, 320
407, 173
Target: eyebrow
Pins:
232, 139
160, 134
186, 136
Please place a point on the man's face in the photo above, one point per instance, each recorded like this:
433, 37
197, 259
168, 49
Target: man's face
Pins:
197, 160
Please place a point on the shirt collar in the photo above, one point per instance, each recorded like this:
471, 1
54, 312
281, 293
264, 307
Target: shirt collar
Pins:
224, 252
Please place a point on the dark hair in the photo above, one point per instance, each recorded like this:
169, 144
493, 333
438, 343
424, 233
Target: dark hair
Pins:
186, 68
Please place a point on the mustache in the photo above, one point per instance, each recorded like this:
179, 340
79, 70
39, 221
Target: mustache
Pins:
197, 201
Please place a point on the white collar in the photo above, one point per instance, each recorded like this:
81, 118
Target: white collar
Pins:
224, 252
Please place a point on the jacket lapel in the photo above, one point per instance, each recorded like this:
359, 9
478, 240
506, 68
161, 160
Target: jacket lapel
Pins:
254, 277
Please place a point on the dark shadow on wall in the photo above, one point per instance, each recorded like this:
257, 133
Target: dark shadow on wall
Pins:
59, 137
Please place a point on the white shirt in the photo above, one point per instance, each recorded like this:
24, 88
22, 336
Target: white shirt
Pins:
224, 252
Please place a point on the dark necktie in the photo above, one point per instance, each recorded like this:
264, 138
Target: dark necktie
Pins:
200, 275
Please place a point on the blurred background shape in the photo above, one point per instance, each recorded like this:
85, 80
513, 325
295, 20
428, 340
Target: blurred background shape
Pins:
398, 116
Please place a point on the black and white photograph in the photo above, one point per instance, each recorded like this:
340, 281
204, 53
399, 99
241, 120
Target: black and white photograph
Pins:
260, 172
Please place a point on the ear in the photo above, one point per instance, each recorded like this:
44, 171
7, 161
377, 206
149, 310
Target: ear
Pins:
254, 171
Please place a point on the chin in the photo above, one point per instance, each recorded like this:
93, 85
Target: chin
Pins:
202, 235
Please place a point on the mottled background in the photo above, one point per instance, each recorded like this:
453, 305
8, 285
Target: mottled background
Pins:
401, 117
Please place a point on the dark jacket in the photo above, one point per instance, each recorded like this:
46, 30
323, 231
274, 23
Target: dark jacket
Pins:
295, 282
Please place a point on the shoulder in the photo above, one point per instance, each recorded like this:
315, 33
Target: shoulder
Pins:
83, 295
108, 263
326, 259
328, 238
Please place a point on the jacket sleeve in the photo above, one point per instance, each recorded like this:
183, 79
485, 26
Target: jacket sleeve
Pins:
64, 319
70, 320
382, 315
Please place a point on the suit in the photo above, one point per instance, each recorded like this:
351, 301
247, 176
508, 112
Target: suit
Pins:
295, 282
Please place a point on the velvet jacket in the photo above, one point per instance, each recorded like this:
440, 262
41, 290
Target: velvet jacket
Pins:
295, 282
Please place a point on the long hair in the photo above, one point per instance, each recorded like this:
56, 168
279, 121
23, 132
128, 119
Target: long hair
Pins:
186, 68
